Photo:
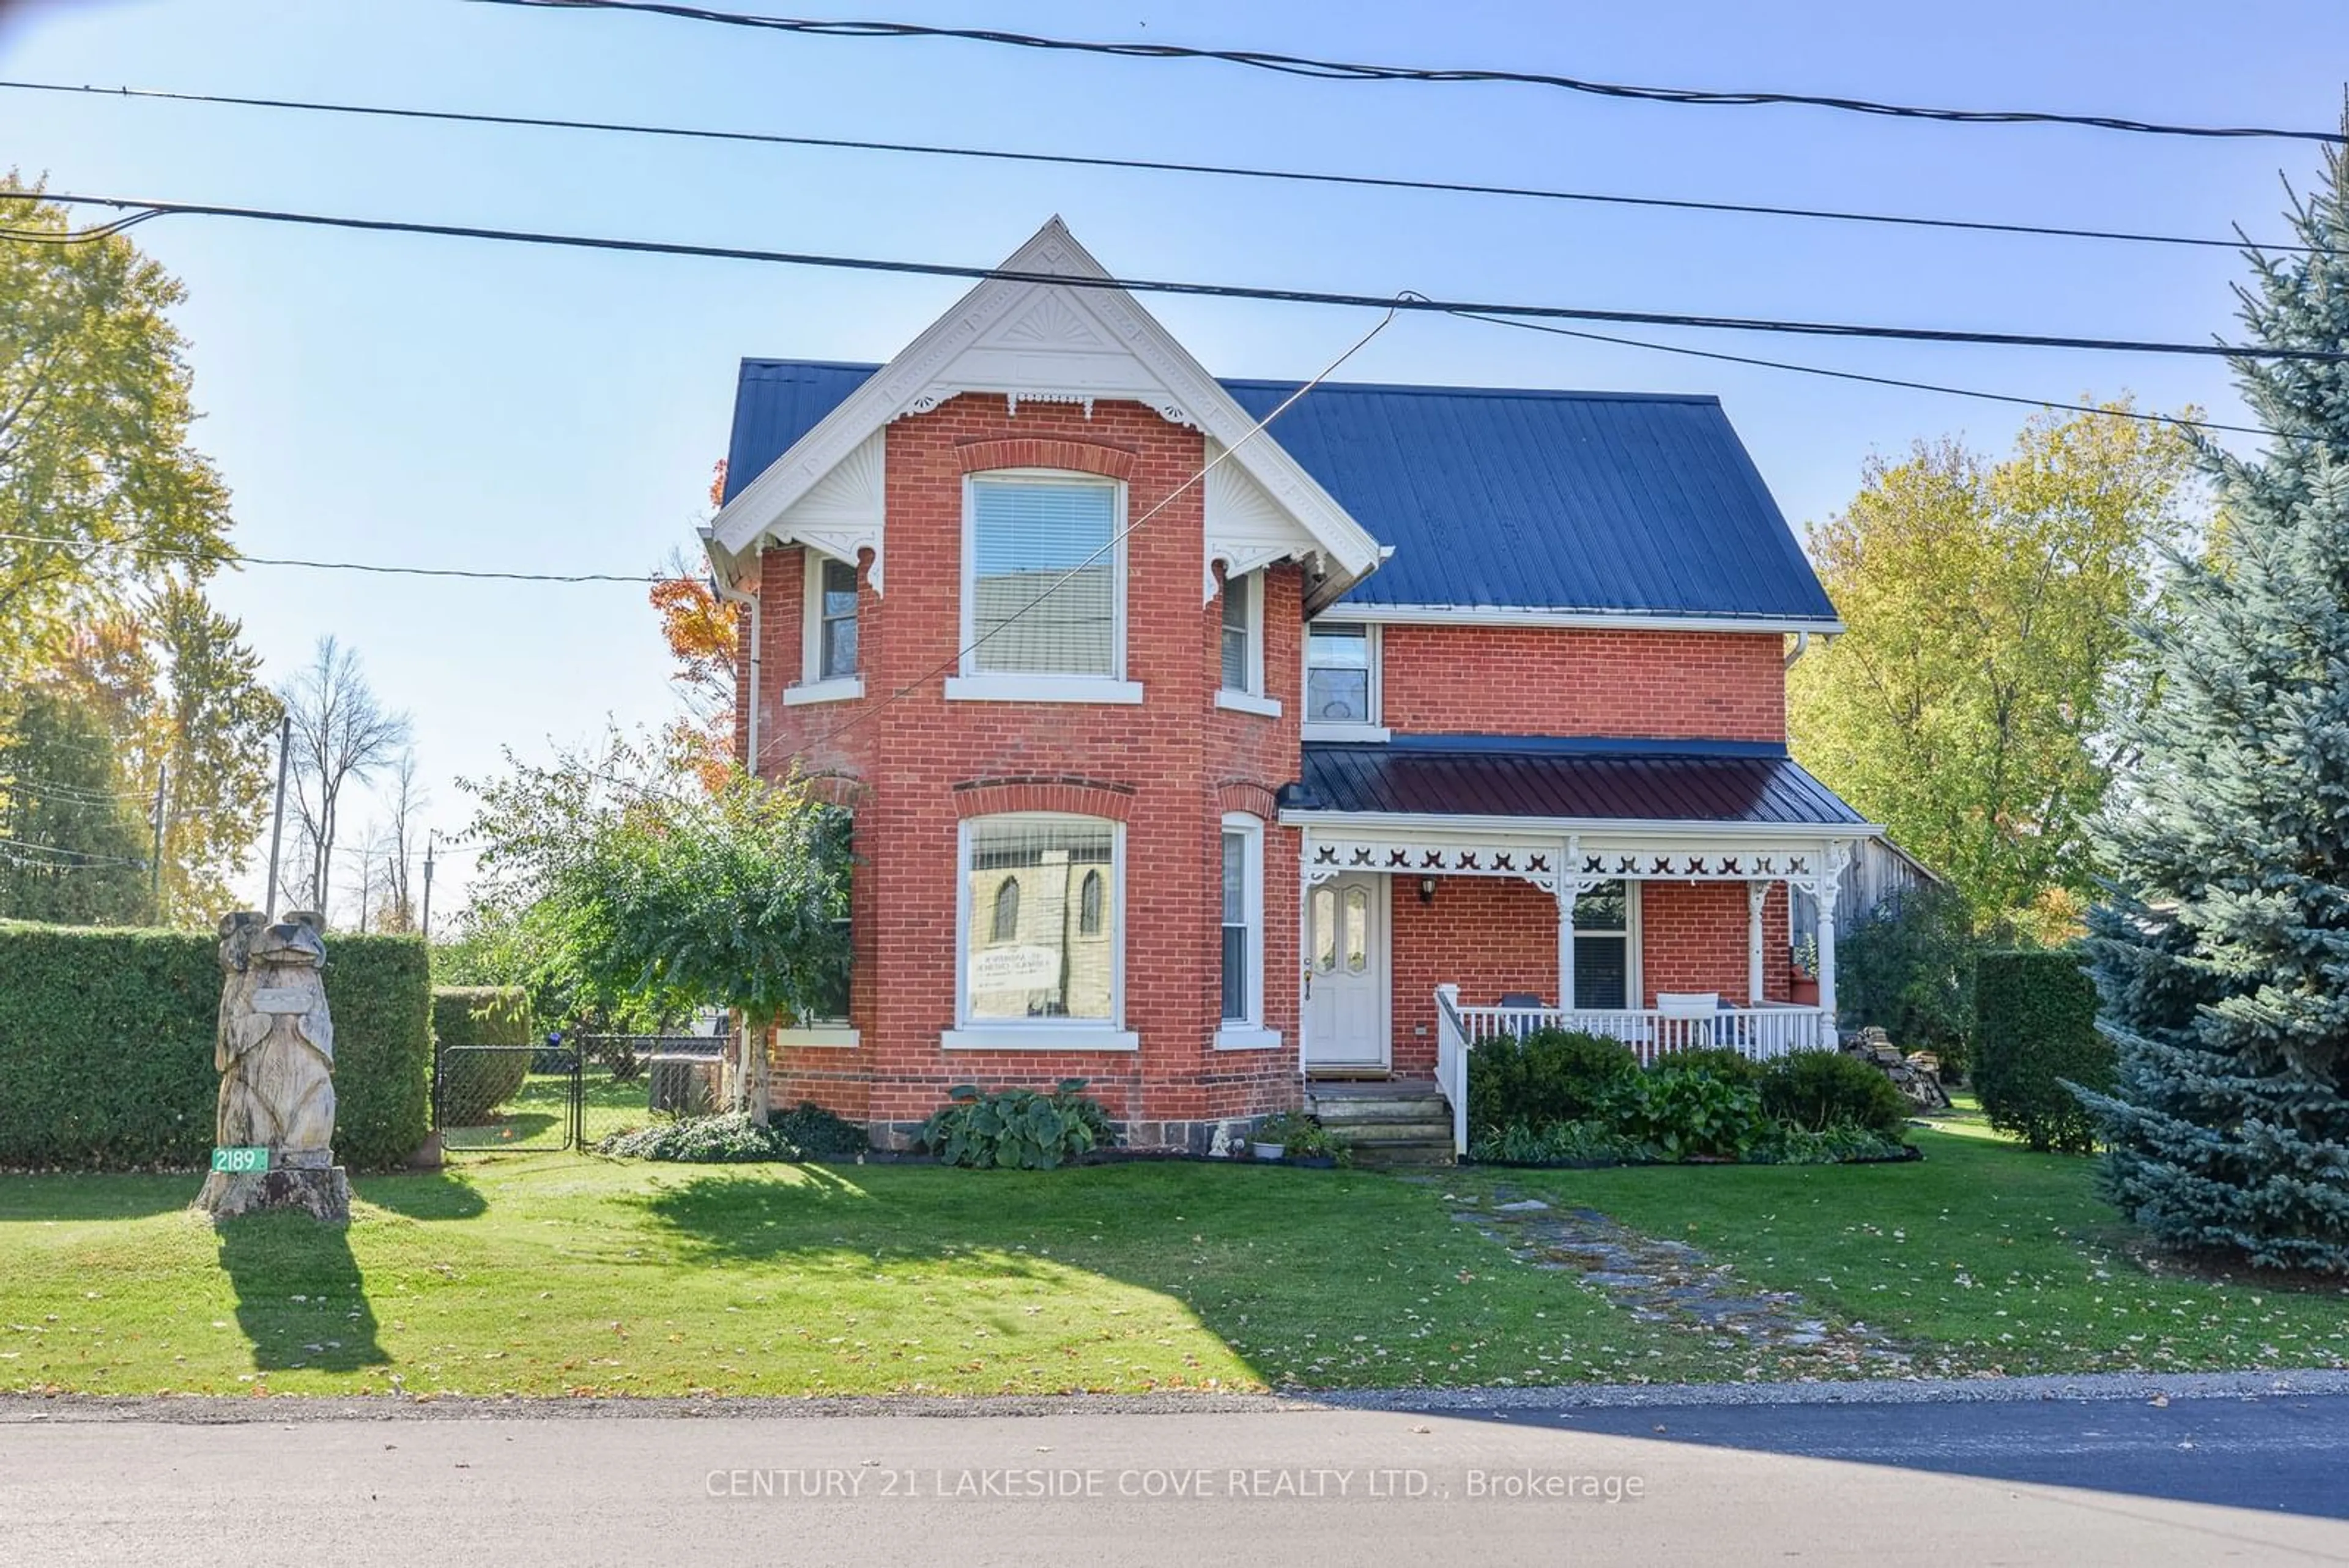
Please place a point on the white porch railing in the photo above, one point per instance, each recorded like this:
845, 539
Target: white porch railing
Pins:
1760, 1032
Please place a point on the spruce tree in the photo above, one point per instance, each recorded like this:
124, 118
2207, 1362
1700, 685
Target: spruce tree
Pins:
2221, 953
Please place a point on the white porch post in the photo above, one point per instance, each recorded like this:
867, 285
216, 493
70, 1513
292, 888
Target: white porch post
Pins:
1756, 895
1826, 900
1568, 890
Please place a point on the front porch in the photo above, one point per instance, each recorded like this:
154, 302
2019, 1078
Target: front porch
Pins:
1432, 921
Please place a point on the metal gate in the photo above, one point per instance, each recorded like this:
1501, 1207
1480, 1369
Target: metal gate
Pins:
568, 1092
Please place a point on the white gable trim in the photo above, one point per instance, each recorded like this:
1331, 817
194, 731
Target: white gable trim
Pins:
1031, 342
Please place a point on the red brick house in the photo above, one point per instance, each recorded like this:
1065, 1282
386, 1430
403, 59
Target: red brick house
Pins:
1208, 765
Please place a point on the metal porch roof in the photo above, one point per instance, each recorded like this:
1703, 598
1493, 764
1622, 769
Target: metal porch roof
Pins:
1602, 779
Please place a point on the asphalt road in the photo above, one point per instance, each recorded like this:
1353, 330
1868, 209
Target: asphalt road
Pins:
2197, 1481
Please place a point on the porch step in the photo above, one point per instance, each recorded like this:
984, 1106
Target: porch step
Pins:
1397, 1109
1395, 1122
1383, 1135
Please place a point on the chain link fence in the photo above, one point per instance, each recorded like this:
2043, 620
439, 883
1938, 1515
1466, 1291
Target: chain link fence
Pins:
567, 1093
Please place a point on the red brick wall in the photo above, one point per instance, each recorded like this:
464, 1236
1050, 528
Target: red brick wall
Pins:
1173, 765
1487, 935
1533, 681
1493, 935
1693, 938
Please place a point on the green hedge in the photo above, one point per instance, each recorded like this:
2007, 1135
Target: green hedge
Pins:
2034, 1029
473, 1084
106, 1047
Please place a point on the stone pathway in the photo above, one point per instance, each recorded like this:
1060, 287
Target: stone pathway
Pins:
1674, 1284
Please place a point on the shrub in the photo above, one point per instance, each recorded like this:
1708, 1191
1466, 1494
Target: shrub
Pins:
1543, 1076
1686, 1113
729, 1139
1816, 1090
468, 1021
1301, 1138
1559, 1143
1838, 1145
1908, 969
2035, 1030
1020, 1129
1716, 1060
818, 1134
105, 1046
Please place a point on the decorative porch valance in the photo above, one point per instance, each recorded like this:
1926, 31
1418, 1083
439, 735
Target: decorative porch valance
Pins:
1568, 814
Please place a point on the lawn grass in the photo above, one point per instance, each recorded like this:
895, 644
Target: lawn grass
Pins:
569, 1274
563, 1274
1982, 1258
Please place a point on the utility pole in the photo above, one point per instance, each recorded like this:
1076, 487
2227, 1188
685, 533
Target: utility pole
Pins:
367, 867
155, 862
277, 827
427, 923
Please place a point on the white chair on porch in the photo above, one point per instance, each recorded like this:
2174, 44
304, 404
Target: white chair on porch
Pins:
1692, 1012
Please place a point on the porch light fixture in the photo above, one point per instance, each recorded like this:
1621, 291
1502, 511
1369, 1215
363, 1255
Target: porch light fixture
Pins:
1427, 890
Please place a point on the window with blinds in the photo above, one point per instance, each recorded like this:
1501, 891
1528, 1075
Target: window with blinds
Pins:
1602, 947
1040, 939
1046, 569
1239, 633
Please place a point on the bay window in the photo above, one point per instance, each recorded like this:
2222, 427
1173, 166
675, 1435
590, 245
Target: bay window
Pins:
1043, 590
1240, 1025
1039, 956
829, 663
1240, 686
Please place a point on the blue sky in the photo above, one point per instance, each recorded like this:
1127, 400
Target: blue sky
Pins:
438, 401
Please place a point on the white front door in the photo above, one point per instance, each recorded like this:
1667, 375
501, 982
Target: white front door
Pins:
1346, 973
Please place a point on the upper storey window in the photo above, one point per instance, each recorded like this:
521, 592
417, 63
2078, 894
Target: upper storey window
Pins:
836, 622
1240, 645
1044, 592
1341, 680
829, 665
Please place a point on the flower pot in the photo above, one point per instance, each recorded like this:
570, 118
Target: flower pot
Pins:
1264, 1151
1806, 993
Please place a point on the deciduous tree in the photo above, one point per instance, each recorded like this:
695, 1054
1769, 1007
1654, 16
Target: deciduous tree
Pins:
633, 886
1969, 705
342, 735
94, 416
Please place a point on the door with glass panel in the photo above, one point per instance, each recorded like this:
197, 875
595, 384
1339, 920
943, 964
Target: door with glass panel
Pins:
1345, 973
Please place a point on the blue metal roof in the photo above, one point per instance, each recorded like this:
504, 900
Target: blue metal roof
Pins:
1599, 779
776, 403
1626, 503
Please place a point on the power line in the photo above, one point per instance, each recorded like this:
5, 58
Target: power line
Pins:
1150, 165
67, 792
1353, 71
80, 858
1873, 380
1204, 290
231, 558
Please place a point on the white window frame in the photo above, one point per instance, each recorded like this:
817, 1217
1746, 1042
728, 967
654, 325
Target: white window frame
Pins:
975, 685
1252, 697
1247, 1033
1635, 979
1312, 729
1040, 1034
812, 687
